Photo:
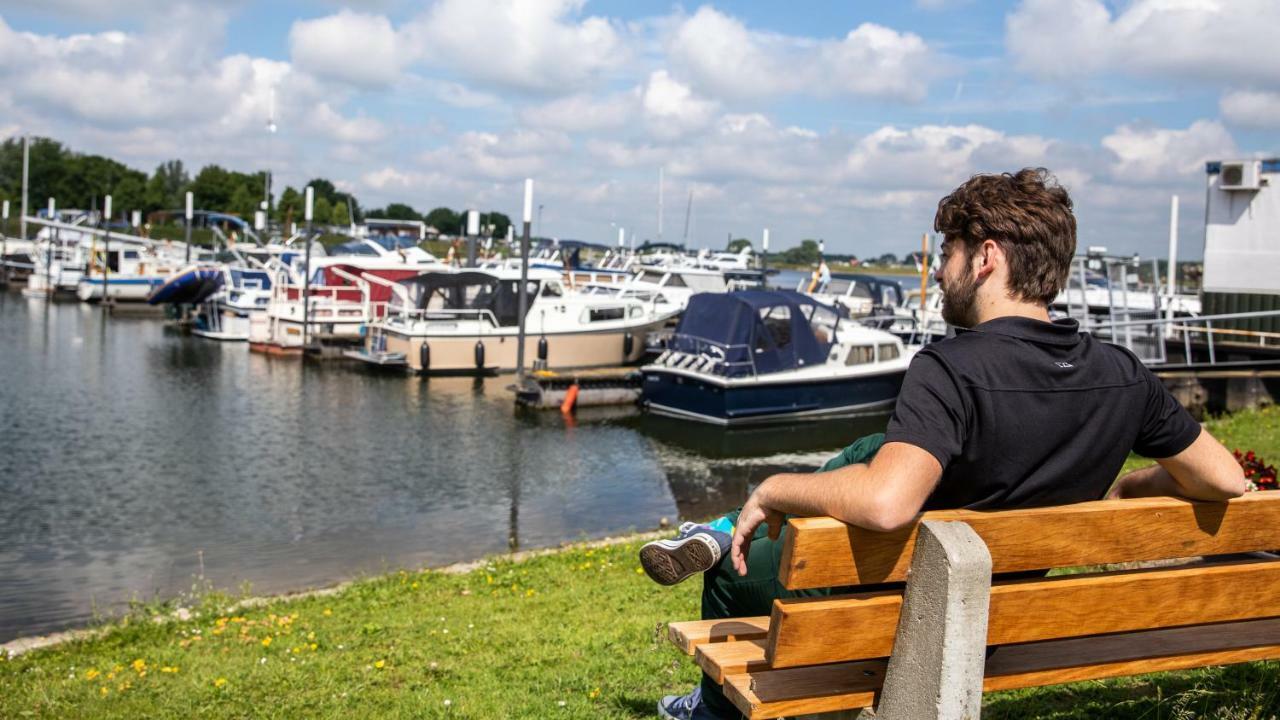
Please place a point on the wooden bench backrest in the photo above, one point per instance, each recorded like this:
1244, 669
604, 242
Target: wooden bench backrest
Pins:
821, 552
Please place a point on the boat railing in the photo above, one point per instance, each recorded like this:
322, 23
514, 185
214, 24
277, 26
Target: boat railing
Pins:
691, 352
407, 315
1150, 338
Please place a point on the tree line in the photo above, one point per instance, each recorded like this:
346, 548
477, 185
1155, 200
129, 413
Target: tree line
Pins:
80, 180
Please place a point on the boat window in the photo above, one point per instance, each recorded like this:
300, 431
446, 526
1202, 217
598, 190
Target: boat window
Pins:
130, 254
649, 276
704, 283
777, 320
890, 295
609, 313
860, 354
860, 290
551, 289
636, 311
838, 286
888, 351
823, 323
677, 280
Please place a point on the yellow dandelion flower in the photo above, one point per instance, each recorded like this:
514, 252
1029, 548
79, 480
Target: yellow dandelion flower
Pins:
169, 669
413, 586
530, 592
327, 612
104, 691
220, 682
380, 664
111, 676
313, 647
139, 665
91, 674
594, 694
266, 641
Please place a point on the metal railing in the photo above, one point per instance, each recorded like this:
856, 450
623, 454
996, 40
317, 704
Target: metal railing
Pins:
1156, 331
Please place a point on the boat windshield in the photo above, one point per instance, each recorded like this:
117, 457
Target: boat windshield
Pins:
471, 291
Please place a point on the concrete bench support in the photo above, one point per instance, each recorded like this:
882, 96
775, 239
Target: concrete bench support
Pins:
939, 651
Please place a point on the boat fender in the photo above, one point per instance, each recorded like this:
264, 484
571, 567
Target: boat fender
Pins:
543, 349
628, 344
479, 355
570, 399
424, 357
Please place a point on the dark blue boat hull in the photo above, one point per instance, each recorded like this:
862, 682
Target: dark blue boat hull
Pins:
670, 393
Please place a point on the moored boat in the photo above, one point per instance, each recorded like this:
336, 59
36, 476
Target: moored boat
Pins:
761, 356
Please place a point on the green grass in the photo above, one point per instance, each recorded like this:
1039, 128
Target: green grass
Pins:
573, 634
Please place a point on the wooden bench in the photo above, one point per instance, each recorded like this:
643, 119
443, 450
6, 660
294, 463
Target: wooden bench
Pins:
928, 648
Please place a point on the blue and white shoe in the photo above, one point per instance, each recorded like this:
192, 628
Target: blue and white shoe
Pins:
683, 707
697, 548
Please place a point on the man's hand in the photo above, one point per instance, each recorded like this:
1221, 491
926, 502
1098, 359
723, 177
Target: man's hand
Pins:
754, 512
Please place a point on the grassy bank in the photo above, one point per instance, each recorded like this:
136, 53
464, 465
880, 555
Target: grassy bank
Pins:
572, 634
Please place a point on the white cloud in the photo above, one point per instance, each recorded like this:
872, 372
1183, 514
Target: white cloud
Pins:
1252, 108
1213, 41
1161, 154
351, 47
360, 129
726, 59
939, 155
671, 108
584, 112
535, 46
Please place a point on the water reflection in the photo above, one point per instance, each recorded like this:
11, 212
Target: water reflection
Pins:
133, 458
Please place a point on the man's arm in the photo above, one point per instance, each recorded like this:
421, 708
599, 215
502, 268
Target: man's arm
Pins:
884, 495
1204, 471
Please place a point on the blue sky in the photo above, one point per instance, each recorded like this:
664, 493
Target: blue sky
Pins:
840, 120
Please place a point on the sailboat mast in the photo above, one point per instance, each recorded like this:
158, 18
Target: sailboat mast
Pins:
688, 210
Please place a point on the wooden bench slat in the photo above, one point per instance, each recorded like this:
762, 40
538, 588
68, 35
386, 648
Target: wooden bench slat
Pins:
843, 686
838, 629
731, 658
690, 634
824, 552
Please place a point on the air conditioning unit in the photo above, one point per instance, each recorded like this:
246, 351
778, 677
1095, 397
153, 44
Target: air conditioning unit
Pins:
1240, 175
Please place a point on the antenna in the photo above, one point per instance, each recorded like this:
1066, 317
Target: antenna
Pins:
271, 131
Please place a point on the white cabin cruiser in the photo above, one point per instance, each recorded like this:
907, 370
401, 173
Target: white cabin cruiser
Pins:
467, 322
667, 289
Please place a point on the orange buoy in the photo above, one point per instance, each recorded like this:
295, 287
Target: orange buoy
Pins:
570, 399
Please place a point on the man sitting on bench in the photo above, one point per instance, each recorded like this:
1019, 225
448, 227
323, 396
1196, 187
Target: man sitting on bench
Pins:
1014, 411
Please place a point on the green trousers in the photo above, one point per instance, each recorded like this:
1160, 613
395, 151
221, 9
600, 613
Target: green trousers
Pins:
725, 594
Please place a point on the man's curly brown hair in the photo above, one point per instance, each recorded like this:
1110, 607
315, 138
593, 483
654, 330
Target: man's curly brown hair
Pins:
1029, 214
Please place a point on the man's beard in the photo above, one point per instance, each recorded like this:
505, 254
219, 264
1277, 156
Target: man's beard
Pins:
959, 302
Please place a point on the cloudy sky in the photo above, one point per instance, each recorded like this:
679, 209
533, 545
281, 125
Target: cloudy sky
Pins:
842, 120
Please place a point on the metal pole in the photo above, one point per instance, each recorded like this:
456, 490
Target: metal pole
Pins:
924, 274
26, 162
106, 253
4, 243
306, 273
188, 215
48, 252
523, 306
764, 259
1084, 300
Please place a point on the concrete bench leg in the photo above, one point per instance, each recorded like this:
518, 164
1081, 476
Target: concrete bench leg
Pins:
939, 653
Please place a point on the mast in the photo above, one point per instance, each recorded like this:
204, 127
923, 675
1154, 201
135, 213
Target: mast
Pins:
688, 211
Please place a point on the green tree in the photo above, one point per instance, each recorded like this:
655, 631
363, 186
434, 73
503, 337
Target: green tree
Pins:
322, 210
444, 220
887, 259
166, 190
289, 208
499, 221
736, 245
242, 203
400, 211
804, 254
340, 216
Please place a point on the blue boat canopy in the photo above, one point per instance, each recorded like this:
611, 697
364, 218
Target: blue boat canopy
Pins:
756, 331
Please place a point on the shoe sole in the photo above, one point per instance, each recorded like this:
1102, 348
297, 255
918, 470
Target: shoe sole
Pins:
667, 562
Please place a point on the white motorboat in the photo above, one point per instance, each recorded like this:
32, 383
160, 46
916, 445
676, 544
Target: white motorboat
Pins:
467, 321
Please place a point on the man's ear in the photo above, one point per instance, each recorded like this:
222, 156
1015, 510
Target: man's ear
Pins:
987, 255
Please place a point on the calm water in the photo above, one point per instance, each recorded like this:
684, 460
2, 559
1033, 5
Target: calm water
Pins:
134, 459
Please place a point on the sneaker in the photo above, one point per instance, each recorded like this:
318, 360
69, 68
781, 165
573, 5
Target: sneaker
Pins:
680, 707
697, 548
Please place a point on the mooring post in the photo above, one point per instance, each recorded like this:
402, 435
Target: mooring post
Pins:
306, 272
106, 254
939, 653
523, 302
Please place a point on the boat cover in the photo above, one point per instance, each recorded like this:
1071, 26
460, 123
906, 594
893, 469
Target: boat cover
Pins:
471, 291
761, 331
190, 286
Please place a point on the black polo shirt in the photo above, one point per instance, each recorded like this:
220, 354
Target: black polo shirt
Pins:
1025, 413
